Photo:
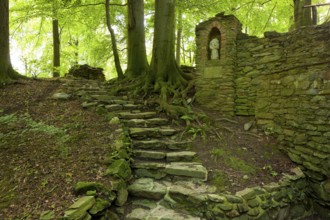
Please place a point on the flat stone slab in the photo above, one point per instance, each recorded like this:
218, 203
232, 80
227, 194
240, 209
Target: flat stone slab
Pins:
137, 115
147, 188
180, 156
161, 144
147, 154
148, 165
146, 122
159, 213
78, 210
114, 107
150, 173
187, 169
106, 99
61, 96
151, 132
89, 104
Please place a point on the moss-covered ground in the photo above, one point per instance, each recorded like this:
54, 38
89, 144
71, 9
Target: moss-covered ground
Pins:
46, 146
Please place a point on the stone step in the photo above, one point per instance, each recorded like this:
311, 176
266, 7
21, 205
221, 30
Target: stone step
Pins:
148, 188
156, 132
178, 156
119, 107
99, 92
106, 99
187, 169
159, 170
156, 144
158, 213
146, 122
137, 115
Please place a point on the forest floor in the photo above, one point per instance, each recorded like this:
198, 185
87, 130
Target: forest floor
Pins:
47, 145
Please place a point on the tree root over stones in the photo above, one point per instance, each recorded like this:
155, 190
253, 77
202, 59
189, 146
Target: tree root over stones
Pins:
171, 96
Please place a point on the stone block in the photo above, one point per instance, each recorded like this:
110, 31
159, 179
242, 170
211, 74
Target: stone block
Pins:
247, 193
234, 199
78, 210
120, 168
99, 206
147, 188
187, 169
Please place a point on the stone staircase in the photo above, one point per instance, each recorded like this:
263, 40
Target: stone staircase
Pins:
169, 183
162, 164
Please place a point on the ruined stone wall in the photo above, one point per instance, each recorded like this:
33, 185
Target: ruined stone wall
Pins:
275, 53
284, 80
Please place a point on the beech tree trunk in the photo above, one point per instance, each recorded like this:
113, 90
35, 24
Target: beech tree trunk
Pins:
137, 63
178, 38
302, 16
113, 41
164, 71
56, 49
6, 70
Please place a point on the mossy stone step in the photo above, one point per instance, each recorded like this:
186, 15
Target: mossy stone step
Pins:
96, 92
158, 213
119, 107
147, 154
147, 188
155, 144
146, 122
156, 132
162, 169
137, 115
179, 191
178, 156
187, 169
148, 165
106, 99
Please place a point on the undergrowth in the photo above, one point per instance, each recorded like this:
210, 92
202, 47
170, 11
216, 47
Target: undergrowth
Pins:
19, 125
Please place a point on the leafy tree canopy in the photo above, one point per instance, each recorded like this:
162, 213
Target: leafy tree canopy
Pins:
85, 39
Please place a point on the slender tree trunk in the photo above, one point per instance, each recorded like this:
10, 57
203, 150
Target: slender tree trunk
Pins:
178, 38
6, 70
113, 41
56, 49
302, 16
164, 71
137, 63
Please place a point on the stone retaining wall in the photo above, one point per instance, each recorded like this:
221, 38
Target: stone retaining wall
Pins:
284, 81
286, 199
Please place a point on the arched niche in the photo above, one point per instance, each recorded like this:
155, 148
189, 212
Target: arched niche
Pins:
214, 35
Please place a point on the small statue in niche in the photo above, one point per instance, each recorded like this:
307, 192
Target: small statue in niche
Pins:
214, 46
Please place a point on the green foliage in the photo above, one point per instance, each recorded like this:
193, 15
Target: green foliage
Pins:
84, 37
6, 119
220, 180
240, 165
269, 168
219, 154
25, 125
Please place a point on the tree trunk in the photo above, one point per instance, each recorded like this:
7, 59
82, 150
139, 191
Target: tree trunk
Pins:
6, 70
56, 49
164, 71
113, 41
137, 63
178, 38
302, 16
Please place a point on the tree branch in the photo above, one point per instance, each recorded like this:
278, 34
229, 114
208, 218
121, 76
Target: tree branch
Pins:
95, 4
